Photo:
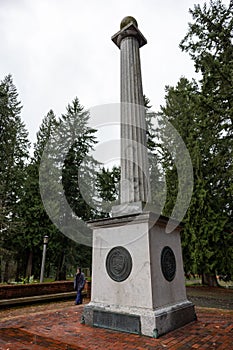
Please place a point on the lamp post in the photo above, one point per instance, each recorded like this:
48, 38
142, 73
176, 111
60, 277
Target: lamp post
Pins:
46, 239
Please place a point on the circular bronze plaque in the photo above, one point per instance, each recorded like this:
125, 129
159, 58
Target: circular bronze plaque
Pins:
119, 264
168, 263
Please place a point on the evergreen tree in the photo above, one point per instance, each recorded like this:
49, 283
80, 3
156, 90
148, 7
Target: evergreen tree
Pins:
69, 163
36, 223
14, 154
108, 182
202, 114
78, 163
157, 182
209, 43
180, 112
69, 133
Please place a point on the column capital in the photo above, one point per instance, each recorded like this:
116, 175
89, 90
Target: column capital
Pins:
130, 30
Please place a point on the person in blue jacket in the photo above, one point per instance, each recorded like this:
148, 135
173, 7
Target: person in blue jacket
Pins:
79, 283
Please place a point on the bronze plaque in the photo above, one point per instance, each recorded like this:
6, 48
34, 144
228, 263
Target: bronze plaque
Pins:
120, 322
168, 263
119, 264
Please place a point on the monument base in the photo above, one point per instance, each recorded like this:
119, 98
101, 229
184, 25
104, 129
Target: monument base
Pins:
152, 323
138, 283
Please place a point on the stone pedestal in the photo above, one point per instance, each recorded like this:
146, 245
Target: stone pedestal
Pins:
137, 278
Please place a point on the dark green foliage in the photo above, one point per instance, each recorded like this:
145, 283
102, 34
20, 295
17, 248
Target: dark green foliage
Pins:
180, 112
202, 114
108, 182
71, 131
69, 183
154, 156
78, 164
78, 182
13, 156
14, 146
36, 223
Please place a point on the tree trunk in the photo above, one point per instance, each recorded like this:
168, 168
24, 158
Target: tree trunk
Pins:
29, 266
209, 279
61, 271
17, 274
6, 272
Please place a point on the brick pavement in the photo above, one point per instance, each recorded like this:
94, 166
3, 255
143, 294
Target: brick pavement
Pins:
60, 328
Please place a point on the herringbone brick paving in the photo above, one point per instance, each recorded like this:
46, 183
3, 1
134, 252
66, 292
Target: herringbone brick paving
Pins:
60, 328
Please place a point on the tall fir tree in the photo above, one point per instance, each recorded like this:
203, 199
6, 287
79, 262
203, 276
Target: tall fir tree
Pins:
78, 163
77, 169
209, 43
36, 223
14, 153
202, 114
157, 182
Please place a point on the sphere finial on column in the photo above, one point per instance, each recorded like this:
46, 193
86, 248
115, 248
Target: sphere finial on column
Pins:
129, 28
126, 20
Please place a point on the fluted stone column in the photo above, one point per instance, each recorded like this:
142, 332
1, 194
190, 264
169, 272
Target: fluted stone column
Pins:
135, 188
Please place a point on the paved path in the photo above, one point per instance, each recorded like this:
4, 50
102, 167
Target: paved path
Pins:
57, 326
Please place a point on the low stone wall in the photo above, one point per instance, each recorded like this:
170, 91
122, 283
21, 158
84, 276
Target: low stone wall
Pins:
26, 290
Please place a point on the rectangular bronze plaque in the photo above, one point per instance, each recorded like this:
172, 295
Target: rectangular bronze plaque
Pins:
116, 321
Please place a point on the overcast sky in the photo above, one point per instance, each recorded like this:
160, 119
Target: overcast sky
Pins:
59, 49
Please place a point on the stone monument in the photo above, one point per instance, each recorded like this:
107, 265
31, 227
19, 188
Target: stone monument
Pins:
137, 271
